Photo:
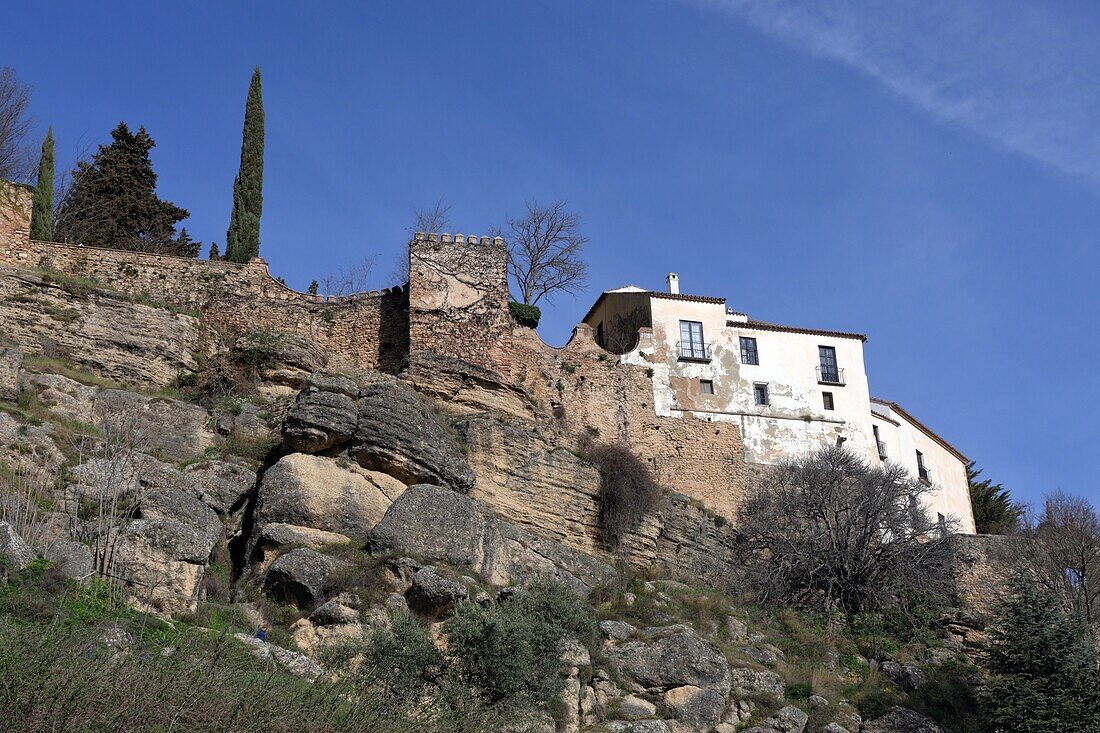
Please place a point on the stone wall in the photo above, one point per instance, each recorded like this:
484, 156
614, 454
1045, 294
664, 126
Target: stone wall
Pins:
984, 565
370, 329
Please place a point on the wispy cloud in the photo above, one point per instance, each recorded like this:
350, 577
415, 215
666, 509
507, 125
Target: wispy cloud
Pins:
1024, 76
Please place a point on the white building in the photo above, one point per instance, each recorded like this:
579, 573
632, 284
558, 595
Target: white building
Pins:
790, 390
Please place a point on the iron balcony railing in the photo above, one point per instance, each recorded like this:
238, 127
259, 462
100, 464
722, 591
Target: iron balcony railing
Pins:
881, 450
694, 351
830, 375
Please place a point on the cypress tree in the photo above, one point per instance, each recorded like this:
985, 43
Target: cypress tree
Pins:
242, 241
42, 210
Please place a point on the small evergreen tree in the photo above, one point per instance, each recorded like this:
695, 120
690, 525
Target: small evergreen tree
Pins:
242, 241
42, 211
185, 246
994, 510
113, 201
1044, 667
214, 254
313, 286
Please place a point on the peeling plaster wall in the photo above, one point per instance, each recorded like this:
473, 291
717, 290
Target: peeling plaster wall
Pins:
795, 421
947, 472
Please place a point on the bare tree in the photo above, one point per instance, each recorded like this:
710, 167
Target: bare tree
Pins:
434, 219
1066, 552
544, 253
354, 278
16, 155
829, 531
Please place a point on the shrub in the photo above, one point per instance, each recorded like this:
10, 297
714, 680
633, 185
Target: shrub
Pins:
510, 652
525, 315
828, 530
627, 489
798, 691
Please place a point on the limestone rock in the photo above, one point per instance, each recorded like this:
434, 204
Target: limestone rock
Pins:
285, 359
440, 525
907, 676
670, 657
698, 707
617, 630
220, 484
124, 341
836, 728
276, 535
12, 547
633, 707
788, 720
465, 386
66, 398
901, 720
334, 613
325, 494
11, 364
299, 577
173, 504
295, 663
751, 682
161, 562
434, 594
319, 420
72, 559
175, 429
398, 435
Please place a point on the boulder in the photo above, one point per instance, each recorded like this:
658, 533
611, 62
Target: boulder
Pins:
399, 435
672, 656
11, 364
277, 535
161, 562
178, 430
434, 594
295, 663
901, 720
616, 630
282, 359
746, 683
334, 613
63, 397
465, 386
220, 484
173, 504
324, 493
299, 577
907, 676
320, 420
633, 707
698, 707
439, 525
12, 547
72, 559
788, 720
836, 728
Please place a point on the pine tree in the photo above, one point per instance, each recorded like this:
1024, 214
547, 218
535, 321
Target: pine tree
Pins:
42, 211
214, 253
994, 510
1044, 667
242, 241
113, 201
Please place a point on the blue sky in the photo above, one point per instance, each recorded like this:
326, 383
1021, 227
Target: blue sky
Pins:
928, 174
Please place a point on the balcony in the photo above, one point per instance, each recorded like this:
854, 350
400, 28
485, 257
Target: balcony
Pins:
881, 450
830, 375
694, 351
922, 475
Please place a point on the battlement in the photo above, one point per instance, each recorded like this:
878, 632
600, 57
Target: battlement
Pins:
456, 239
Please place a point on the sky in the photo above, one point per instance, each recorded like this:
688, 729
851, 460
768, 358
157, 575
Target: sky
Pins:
927, 173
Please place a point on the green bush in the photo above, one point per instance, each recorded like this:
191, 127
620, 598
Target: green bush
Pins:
510, 652
799, 691
525, 315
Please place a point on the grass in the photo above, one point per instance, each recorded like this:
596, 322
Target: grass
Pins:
52, 365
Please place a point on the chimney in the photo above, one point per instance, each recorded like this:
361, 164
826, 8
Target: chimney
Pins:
673, 281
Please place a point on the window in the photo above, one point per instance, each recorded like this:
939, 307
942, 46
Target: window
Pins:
760, 391
878, 442
828, 369
827, 397
749, 355
691, 340
922, 470
706, 386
